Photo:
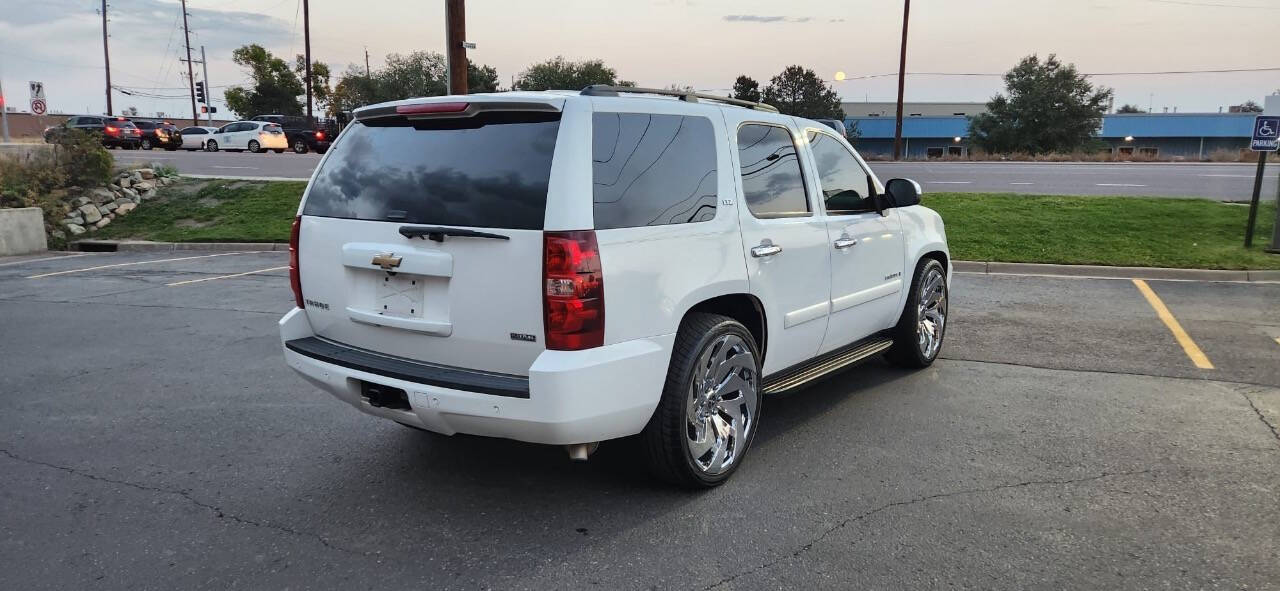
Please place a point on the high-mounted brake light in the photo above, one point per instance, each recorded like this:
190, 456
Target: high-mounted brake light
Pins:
295, 278
422, 108
573, 290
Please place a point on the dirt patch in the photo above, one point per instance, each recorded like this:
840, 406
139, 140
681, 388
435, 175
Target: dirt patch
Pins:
208, 202
190, 223
184, 188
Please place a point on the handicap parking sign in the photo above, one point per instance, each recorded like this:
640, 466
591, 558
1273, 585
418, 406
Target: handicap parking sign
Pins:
1266, 134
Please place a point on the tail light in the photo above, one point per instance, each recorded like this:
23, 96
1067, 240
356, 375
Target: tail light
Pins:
112, 130
573, 290
295, 279
320, 135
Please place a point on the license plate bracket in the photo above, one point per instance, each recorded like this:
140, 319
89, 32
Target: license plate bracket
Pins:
400, 295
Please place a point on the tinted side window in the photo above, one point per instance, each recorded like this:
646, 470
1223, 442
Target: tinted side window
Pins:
652, 170
488, 171
846, 188
772, 182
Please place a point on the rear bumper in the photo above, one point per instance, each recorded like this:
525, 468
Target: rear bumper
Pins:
573, 396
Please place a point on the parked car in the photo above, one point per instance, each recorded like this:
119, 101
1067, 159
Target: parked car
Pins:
614, 265
161, 134
254, 136
194, 137
304, 134
116, 132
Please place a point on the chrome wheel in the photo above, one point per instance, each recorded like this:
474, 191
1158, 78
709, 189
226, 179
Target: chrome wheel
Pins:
721, 410
931, 315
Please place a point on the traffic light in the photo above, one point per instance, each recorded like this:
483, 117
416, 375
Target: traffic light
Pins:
200, 91
204, 108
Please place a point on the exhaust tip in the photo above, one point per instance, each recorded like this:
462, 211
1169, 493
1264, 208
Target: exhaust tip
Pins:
581, 452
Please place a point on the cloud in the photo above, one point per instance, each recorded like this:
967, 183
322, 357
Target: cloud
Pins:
757, 18
215, 28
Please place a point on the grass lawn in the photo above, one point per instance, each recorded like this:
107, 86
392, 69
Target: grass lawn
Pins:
212, 211
1127, 231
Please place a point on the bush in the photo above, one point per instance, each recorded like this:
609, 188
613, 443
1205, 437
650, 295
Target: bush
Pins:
84, 159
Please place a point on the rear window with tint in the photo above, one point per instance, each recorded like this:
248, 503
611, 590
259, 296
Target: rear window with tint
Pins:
652, 170
271, 128
487, 171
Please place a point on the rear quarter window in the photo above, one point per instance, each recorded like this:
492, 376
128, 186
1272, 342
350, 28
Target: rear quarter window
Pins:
652, 170
486, 171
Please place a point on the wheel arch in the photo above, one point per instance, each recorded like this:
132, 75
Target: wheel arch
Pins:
742, 307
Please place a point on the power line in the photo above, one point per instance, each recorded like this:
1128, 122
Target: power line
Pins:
1157, 73
1208, 5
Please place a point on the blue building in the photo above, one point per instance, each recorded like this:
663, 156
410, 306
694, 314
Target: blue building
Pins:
1190, 136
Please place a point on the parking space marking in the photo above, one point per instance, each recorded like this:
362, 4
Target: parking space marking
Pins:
950, 182
1189, 346
203, 256
1117, 185
65, 256
190, 281
1021, 183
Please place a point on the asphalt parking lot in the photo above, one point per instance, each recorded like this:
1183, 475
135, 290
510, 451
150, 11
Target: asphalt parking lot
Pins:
152, 438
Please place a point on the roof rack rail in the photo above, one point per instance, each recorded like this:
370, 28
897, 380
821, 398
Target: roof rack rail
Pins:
689, 97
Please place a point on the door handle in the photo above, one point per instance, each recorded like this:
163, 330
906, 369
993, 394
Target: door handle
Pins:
845, 242
765, 250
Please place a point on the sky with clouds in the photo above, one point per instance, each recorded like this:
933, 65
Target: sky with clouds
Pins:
702, 43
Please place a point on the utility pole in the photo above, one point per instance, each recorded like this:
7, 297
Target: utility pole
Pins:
191, 75
366, 62
208, 90
902, 78
455, 36
4, 115
106, 54
306, 34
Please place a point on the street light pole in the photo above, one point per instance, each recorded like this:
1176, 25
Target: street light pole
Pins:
902, 76
106, 55
208, 90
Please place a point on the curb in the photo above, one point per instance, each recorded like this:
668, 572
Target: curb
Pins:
1106, 272
234, 177
145, 246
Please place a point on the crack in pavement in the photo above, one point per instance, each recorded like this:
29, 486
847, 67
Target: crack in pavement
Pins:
1110, 372
1261, 417
846, 522
127, 305
216, 510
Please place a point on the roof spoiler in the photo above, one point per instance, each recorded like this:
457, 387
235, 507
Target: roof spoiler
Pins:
688, 97
452, 109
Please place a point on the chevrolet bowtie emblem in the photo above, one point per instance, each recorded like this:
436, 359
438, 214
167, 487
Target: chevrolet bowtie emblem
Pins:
386, 260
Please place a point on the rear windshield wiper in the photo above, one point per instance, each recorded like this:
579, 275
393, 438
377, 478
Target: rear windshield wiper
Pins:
437, 233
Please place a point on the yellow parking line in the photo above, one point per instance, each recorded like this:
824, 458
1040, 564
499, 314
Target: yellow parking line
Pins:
203, 256
1189, 346
188, 282
1278, 340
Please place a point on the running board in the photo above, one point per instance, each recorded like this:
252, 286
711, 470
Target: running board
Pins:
799, 375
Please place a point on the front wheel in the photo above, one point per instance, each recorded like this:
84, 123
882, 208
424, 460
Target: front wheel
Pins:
255, 147
917, 339
299, 146
211, 146
710, 405
146, 144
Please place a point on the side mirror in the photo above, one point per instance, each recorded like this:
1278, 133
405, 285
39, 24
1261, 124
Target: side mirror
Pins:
903, 192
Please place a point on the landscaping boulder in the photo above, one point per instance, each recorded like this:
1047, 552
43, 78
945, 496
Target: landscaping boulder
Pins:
75, 229
125, 182
101, 195
146, 173
130, 194
109, 206
143, 186
125, 208
76, 221
91, 213
78, 201
102, 223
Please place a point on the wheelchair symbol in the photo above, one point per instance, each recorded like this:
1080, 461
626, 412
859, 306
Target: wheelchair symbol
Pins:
1266, 128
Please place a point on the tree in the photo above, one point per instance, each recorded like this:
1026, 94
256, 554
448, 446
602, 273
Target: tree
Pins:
1050, 107
1250, 107
800, 92
320, 91
421, 73
275, 87
746, 89
561, 74
1127, 108
130, 111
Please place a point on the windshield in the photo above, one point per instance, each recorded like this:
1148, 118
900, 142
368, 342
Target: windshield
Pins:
490, 170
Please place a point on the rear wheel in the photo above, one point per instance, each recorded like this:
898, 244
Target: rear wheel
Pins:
255, 147
299, 146
211, 146
146, 144
917, 339
710, 405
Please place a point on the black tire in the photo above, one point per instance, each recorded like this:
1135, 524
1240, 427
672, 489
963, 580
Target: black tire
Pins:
146, 144
299, 146
664, 442
254, 147
906, 350
321, 150
210, 146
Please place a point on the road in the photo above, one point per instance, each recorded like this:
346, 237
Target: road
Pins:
1223, 182
152, 438
1227, 182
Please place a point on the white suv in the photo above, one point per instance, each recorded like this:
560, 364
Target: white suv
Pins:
567, 268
